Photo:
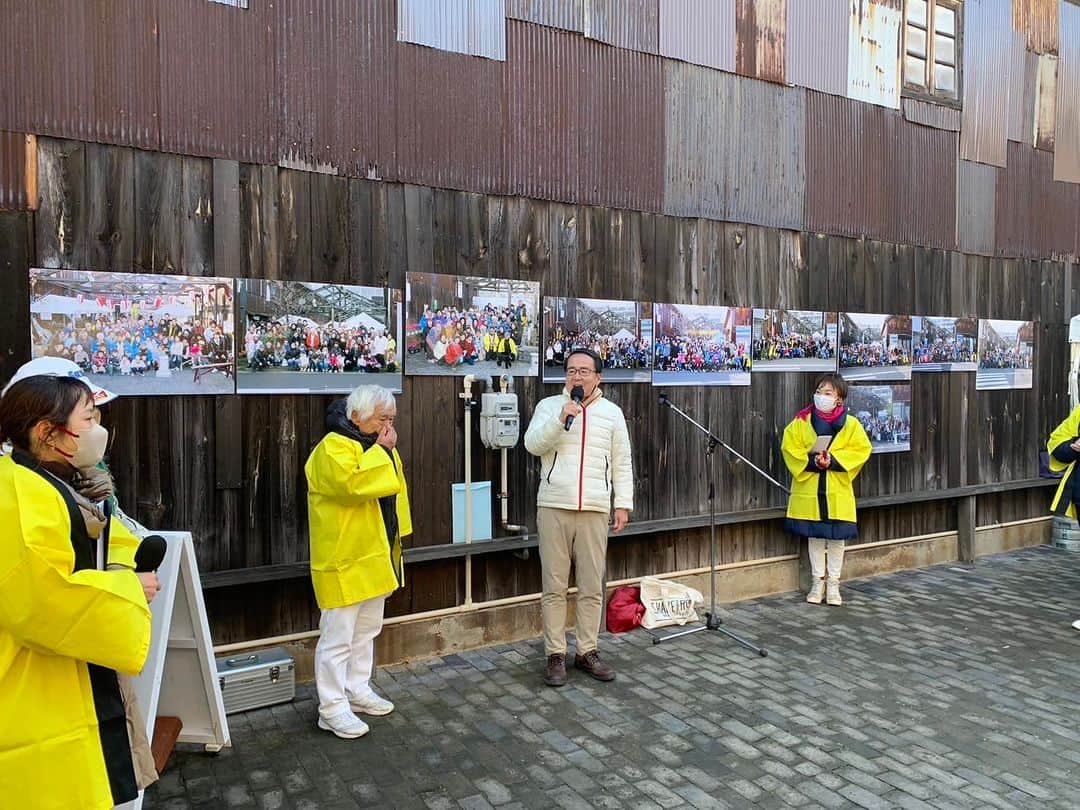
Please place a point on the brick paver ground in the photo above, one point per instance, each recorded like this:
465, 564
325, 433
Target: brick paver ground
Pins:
952, 686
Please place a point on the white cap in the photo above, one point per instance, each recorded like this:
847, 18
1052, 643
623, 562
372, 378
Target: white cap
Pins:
59, 367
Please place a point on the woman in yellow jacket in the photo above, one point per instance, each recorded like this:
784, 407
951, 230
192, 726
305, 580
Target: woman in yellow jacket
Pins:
66, 627
1064, 449
358, 511
824, 447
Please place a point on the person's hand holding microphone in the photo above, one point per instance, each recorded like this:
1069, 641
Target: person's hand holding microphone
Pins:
572, 409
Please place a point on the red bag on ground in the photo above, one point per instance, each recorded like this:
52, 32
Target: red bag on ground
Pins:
624, 609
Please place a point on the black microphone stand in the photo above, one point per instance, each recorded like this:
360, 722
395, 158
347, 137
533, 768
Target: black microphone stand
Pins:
712, 618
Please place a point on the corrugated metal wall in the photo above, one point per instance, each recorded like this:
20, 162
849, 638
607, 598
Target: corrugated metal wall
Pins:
1067, 115
937, 116
976, 194
584, 121
988, 50
874, 52
1046, 102
701, 32
817, 45
752, 172
476, 27
870, 172
347, 50
630, 24
567, 14
18, 171
1035, 216
1023, 71
759, 38
1037, 20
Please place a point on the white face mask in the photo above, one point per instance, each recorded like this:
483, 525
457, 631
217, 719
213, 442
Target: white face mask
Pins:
825, 403
89, 447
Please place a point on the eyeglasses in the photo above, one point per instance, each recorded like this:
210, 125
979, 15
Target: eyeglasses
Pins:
580, 372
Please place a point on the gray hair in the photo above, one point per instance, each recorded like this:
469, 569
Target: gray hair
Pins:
366, 398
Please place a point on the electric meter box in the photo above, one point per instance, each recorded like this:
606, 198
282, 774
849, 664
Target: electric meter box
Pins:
500, 424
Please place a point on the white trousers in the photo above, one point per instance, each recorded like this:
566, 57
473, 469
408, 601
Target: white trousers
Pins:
826, 557
345, 654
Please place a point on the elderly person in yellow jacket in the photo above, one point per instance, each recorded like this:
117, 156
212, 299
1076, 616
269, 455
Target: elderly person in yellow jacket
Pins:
1064, 449
358, 511
584, 465
68, 624
824, 447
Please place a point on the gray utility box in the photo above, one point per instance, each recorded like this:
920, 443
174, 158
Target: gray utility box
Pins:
254, 680
1065, 533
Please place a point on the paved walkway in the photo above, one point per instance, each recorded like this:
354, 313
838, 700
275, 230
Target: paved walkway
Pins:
953, 686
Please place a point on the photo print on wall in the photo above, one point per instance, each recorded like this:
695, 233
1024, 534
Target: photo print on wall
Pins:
794, 340
701, 345
884, 411
944, 344
619, 331
308, 337
137, 334
1006, 355
875, 347
462, 325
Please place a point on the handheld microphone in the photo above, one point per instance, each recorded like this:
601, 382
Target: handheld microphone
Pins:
150, 553
577, 393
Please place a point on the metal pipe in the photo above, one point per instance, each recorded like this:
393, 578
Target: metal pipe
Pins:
504, 495
466, 395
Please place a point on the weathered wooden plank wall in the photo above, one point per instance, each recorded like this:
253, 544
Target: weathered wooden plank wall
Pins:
231, 468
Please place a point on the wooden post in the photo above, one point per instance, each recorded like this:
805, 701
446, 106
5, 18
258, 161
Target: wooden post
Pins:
965, 528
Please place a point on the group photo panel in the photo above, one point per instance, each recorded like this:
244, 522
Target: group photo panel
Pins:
620, 332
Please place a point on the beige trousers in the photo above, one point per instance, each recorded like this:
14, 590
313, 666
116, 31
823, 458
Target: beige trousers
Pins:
568, 536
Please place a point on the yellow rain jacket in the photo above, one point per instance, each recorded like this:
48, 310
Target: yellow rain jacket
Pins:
822, 503
1063, 458
352, 557
64, 628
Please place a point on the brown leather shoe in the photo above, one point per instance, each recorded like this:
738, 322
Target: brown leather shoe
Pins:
555, 671
590, 662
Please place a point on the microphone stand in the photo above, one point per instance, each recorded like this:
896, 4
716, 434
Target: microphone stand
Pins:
712, 618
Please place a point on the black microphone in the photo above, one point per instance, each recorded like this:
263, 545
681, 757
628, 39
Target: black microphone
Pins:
150, 553
664, 400
577, 393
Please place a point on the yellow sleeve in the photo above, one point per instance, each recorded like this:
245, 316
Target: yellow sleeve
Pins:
404, 511
122, 544
796, 450
1065, 432
90, 615
341, 468
854, 451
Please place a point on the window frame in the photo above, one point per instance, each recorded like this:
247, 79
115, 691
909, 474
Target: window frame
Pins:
921, 93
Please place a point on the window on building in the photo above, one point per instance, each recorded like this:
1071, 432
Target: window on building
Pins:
233, 3
932, 41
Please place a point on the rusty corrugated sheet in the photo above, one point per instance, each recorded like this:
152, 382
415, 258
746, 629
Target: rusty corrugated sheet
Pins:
1023, 74
450, 117
874, 51
734, 147
218, 86
87, 71
566, 14
817, 45
1035, 216
584, 120
630, 24
928, 114
18, 171
1037, 20
1067, 115
976, 192
336, 84
1046, 99
701, 32
475, 27
759, 38
987, 61
871, 173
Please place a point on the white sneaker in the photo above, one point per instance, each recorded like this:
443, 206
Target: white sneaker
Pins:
372, 705
832, 592
1076, 625
817, 592
344, 724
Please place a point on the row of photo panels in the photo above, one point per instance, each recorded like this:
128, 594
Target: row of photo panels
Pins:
165, 335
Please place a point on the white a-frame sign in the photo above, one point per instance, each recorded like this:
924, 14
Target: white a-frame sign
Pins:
180, 677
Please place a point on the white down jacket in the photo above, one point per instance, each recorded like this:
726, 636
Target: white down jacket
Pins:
581, 467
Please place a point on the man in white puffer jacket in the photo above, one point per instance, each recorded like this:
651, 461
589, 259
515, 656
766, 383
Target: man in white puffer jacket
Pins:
581, 468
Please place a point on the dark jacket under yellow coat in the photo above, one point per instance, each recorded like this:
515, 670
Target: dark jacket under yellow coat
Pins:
1063, 459
850, 449
352, 558
54, 620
